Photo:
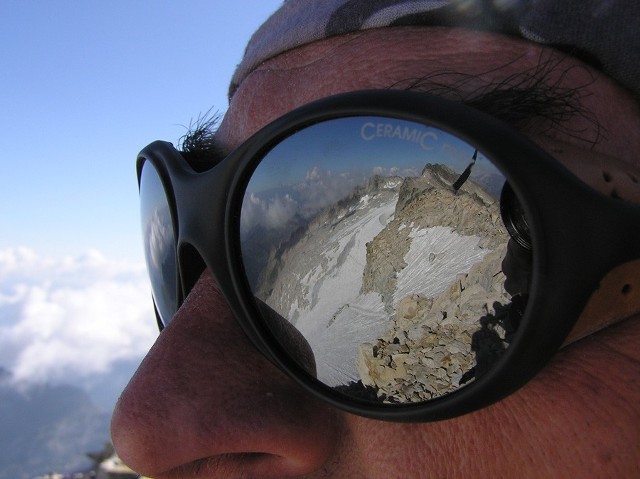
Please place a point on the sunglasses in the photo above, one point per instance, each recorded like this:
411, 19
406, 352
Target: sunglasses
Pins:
400, 256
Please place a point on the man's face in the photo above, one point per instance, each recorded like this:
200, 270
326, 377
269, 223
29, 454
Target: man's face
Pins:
205, 403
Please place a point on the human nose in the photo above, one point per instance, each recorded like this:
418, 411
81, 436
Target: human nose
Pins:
205, 403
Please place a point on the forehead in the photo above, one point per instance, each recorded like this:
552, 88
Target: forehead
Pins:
391, 57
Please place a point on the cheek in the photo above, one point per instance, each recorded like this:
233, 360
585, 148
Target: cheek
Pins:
438, 450
561, 422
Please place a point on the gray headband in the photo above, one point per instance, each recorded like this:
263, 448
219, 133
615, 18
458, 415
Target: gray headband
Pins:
605, 33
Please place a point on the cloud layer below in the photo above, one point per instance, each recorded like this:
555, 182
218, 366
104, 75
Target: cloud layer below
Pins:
74, 317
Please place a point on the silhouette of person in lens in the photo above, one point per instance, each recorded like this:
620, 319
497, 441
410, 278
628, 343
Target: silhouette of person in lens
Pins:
566, 73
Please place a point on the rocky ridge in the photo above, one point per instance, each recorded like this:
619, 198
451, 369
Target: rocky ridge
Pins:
436, 344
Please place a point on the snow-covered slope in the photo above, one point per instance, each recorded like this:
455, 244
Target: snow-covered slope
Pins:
317, 283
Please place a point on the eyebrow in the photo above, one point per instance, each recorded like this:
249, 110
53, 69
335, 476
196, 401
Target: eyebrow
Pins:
533, 100
199, 145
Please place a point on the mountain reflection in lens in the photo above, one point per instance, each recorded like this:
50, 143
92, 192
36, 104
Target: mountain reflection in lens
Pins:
159, 243
352, 230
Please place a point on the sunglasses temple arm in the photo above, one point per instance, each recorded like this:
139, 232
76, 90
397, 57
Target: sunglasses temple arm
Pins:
616, 299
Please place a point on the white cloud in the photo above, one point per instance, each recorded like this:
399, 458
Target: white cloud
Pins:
322, 188
319, 189
71, 317
313, 174
395, 171
271, 213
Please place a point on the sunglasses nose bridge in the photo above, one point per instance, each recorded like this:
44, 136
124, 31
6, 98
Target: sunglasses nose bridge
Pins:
205, 223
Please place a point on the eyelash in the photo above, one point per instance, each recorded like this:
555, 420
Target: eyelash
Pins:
198, 145
533, 99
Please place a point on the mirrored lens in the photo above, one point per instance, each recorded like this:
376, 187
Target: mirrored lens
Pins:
159, 242
379, 246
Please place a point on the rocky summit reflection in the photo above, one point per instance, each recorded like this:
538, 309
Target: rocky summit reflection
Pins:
398, 288
438, 342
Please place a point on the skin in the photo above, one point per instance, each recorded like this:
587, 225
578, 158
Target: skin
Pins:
206, 404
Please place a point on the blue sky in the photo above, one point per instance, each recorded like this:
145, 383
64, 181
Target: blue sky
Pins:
363, 145
83, 87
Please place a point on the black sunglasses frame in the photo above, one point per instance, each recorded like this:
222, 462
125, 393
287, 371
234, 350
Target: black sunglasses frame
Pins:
578, 236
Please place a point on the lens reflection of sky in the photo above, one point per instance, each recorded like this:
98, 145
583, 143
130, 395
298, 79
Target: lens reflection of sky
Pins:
159, 241
362, 146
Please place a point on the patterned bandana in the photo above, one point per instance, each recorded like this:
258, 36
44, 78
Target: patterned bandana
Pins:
604, 33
